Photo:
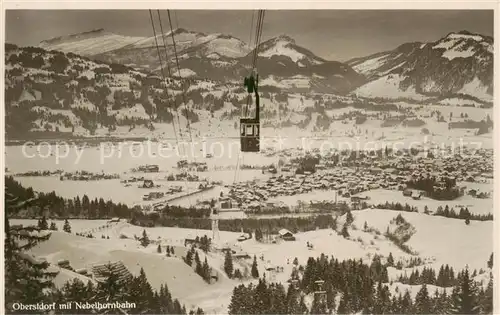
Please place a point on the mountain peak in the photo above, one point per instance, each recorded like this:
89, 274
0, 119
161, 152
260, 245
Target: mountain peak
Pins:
285, 38
92, 33
463, 34
181, 30
88, 43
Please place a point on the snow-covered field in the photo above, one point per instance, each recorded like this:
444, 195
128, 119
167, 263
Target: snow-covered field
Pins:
475, 205
432, 242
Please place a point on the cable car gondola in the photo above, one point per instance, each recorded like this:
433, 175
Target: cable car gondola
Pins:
250, 127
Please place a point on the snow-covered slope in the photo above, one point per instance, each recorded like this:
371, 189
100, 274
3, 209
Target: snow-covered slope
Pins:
196, 42
89, 43
459, 63
389, 87
432, 238
284, 46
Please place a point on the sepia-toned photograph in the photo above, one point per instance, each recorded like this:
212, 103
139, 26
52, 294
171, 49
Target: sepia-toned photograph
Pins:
253, 161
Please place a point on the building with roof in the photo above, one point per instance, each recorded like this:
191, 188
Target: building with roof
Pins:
101, 272
286, 235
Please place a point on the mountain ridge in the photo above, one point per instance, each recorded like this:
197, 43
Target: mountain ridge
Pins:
226, 58
460, 62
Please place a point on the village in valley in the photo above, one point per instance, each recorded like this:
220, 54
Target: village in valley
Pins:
352, 201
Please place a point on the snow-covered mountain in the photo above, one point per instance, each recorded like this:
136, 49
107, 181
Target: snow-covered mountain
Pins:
281, 59
202, 45
284, 46
216, 57
459, 63
88, 43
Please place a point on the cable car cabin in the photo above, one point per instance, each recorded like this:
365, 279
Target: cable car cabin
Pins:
250, 135
250, 127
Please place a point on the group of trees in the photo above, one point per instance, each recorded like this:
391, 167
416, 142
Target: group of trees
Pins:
263, 298
401, 234
44, 225
144, 239
358, 288
231, 272
169, 250
397, 206
445, 190
307, 163
445, 277
55, 206
266, 226
203, 270
137, 290
463, 214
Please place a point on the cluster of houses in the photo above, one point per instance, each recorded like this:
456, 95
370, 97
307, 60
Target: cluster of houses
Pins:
157, 194
365, 173
147, 168
87, 176
193, 166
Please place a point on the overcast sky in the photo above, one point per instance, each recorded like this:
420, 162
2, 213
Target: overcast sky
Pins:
331, 34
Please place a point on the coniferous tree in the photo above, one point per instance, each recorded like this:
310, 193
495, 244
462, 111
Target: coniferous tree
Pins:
43, 224
258, 235
197, 263
426, 209
344, 232
465, 301
330, 296
343, 308
241, 300
141, 293
490, 261
168, 251
144, 239
293, 300
158, 249
228, 264
382, 300
390, 260
77, 291
302, 306
53, 226
189, 257
24, 278
237, 274
112, 289
486, 300
255, 270
206, 270
66, 226
349, 218
318, 307
406, 303
422, 301
261, 297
